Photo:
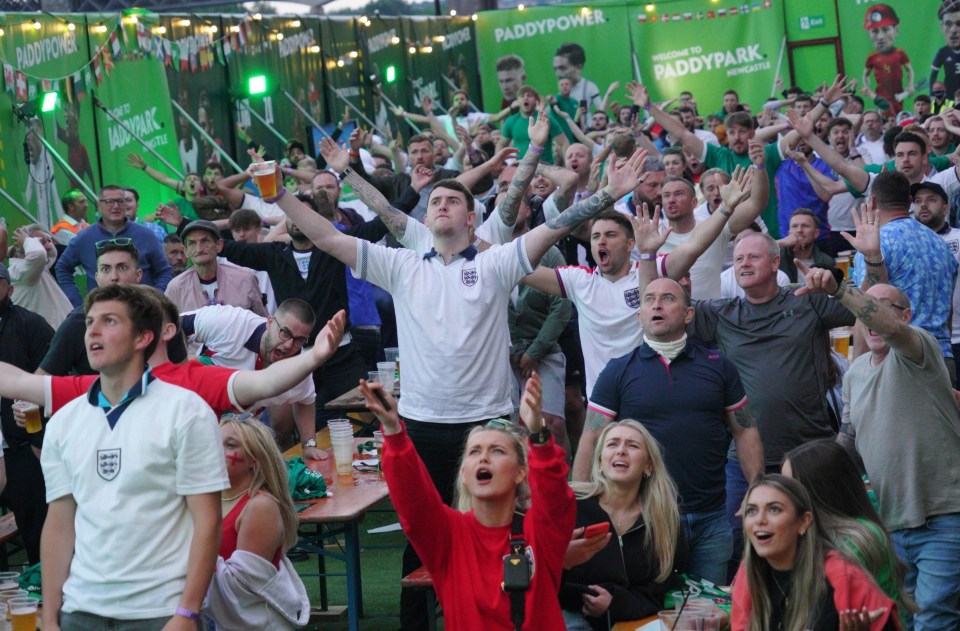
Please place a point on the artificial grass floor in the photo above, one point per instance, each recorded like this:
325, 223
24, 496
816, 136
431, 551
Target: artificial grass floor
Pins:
380, 561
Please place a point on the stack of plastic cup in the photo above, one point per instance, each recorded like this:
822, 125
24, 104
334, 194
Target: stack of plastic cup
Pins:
387, 375
341, 438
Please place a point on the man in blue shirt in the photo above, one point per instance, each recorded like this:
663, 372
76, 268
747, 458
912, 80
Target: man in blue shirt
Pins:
688, 396
113, 224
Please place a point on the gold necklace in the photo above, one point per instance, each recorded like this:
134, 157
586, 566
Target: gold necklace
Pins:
230, 499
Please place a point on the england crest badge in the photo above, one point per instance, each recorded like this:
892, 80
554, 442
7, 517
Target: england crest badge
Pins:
108, 463
469, 277
632, 297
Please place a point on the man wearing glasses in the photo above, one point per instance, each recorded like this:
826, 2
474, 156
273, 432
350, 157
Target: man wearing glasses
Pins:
113, 224
238, 338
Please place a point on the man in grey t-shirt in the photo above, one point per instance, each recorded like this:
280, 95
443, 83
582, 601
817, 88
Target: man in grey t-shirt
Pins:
903, 419
780, 344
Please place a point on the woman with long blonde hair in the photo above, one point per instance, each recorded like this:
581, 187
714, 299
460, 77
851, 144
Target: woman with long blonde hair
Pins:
630, 490
255, 586
791, 578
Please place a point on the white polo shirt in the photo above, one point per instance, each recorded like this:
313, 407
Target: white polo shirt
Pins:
606, 315
230, 337
705, 273
133, 527
451, 325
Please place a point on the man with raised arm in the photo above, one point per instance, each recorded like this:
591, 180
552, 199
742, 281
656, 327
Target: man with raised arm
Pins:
901, 415
607, 298
740, 130
451, 302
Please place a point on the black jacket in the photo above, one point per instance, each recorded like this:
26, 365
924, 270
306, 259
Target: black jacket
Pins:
326, 285
627, 572
24, 339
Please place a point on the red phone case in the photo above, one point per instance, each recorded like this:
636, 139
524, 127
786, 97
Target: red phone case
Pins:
596, 529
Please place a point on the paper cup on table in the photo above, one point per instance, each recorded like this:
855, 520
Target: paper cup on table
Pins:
373, 376
388, 375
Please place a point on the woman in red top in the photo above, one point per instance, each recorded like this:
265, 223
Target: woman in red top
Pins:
255, 587
464, 549
258, 512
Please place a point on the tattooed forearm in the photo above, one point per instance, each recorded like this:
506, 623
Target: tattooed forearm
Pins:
510, 205
744, 418
580, 212
878, 316
393, 219
596, 421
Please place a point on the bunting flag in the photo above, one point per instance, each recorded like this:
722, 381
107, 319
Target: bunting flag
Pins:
107, 62
79, 86
46, 85
8, 80
21, 86
115, 43
242, 35
168, 53
221, 55
32, 92
97, 72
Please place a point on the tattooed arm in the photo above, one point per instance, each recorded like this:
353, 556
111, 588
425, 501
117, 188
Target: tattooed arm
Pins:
539, 132
747, 439
622, 178
338, 160
583, 460
889, 319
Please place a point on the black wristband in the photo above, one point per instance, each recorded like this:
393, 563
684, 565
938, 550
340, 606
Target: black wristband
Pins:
540, 438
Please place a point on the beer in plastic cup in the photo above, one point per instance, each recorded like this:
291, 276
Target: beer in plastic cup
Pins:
265, 176
841, 341
843, 264
32, 412
23, 613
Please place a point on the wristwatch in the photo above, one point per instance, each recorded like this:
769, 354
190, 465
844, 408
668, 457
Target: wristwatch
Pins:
312, 442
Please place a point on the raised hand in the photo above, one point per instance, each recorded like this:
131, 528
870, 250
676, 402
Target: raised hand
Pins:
382, 404
463, 136
738, 188
420, 177
356, 139
757, 155
799, 157
803, 124
136, 161
426, 103
336, 157
329, 338
867, 241
836, 90
646, 230
530, 414
539, 130
169, 214
638, 94
623, 178
816, 280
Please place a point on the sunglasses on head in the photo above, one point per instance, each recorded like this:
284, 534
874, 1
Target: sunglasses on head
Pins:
119, 241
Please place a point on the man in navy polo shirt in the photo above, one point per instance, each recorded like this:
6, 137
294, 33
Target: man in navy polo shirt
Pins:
688, 397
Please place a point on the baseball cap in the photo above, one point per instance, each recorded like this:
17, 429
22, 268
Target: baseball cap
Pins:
202, 224
880, 15
930, 186
4, 274
948, 6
